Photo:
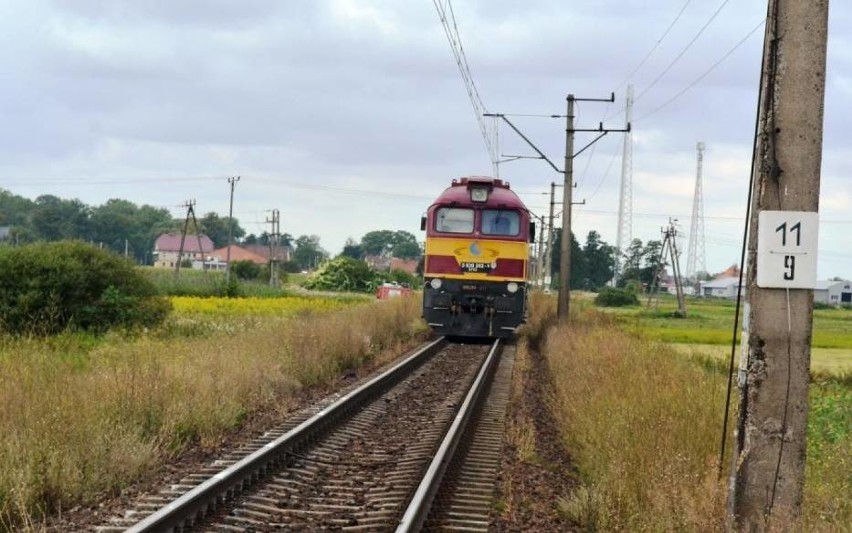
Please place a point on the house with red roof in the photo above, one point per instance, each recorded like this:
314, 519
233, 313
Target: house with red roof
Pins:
167, 249
282, 252
238, 253
407, 265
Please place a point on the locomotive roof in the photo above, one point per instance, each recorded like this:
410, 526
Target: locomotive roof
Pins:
458, 193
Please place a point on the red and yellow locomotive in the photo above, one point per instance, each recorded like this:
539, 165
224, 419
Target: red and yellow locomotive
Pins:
477, 255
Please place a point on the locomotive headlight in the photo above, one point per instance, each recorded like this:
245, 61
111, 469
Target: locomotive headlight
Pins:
512, 287
478, 194
435, 283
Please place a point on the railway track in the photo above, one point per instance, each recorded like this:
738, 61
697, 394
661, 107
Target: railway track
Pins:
415, 447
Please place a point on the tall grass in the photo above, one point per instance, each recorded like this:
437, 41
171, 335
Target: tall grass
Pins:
643, 424
643, 427
82, 418
207, 283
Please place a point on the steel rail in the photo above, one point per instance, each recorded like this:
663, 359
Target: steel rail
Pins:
418, 509
205, 496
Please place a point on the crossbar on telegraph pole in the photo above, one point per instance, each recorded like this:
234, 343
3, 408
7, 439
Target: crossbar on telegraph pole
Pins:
564, 297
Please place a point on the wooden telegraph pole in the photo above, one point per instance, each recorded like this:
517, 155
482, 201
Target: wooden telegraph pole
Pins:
767, 479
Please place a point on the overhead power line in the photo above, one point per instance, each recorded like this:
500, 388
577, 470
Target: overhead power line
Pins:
451, 30
683, 51
704, 74
654, 48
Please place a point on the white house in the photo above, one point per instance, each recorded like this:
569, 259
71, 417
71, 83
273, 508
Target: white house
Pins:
721, 288
833, 292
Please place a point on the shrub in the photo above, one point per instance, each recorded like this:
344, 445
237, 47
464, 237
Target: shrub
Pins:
290, 266
343, 274
245, 269
612, 297
47, 288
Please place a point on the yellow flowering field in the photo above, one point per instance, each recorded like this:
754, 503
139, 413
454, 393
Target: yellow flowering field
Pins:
285, 306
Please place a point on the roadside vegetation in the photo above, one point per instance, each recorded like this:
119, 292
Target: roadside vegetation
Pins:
642, 422
85, 413
48, 288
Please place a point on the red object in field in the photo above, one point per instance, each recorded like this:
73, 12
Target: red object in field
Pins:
392, 290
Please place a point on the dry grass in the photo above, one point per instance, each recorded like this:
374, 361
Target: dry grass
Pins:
642, 421
81, 418
643, 427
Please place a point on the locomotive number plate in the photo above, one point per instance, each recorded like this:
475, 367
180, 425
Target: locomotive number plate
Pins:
474, 267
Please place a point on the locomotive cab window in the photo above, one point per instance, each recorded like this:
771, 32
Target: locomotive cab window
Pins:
500, 222
454, 220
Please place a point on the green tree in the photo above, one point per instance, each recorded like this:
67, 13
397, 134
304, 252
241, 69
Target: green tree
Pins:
406, 250
15, 210
378, 242
390, 243
578, 262
640, 263
352, 249
119, 222
217, 229
308, 252
598, 262
55, 219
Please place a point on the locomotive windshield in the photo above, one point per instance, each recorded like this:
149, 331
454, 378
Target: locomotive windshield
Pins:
500, 222
454, 220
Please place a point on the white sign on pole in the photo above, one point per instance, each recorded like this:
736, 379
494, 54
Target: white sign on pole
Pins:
787, 249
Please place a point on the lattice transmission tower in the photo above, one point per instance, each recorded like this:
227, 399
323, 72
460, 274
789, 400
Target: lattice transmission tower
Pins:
695, 259
625, 197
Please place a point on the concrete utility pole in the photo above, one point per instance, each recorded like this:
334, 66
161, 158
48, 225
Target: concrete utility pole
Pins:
549, 259
564, 299
540, 260
766, 484
274, 235
232, 181
568, 173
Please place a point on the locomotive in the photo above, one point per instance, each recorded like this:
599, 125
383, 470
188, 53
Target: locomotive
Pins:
476, 259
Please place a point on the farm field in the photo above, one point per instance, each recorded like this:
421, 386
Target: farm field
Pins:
84, 416
708, 327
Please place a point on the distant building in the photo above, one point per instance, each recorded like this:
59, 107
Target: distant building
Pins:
833, 292
725, 287
167, 247
5, 233
378, 262
238, 253
407, 265
732, 271
283, 253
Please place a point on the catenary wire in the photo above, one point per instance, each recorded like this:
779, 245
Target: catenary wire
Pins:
683, 51
654, 48
702, 76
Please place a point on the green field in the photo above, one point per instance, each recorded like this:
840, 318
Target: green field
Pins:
708, 328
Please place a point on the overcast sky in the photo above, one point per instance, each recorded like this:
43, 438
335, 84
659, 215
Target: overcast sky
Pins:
350, 115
